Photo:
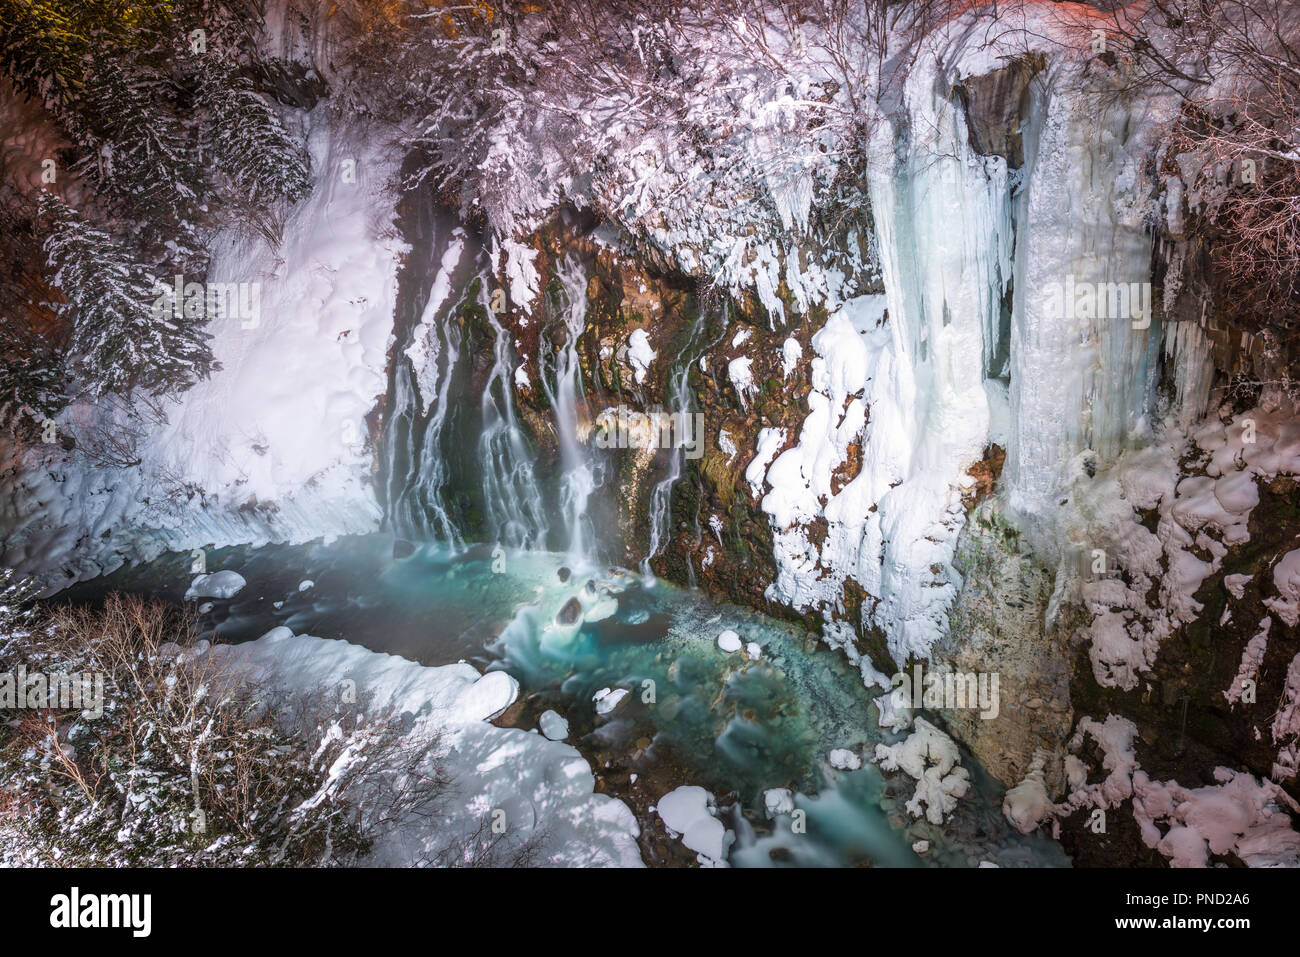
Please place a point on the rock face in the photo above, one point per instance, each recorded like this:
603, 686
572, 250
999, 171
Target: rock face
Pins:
996, 107
998, 632
570, 614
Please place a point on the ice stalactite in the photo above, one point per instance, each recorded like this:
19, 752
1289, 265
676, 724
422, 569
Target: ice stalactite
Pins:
1085, 341
902, 374
943, 216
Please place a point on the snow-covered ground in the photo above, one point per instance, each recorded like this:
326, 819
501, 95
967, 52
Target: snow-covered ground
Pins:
535, 787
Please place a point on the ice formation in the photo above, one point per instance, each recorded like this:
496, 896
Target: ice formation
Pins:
932, 759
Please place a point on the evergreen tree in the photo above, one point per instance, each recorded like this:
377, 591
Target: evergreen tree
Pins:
120, 340
142, 151
30, 334
243, 137
31, 388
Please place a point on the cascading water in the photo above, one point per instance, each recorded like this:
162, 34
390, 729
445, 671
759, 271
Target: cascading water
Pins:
516, 512
661, 497
581, 474
422, 387
453, 472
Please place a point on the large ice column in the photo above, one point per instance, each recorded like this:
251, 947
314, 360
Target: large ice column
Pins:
943, 218
1084, 339
905, 374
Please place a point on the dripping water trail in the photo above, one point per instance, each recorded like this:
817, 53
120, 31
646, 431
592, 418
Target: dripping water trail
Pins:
661, 497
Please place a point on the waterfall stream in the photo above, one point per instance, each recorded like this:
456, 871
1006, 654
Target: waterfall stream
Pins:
680, 396
516, 511
581, 474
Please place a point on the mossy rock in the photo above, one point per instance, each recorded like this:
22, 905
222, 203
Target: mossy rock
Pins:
719, 476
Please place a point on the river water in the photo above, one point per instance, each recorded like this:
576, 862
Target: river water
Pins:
693, 714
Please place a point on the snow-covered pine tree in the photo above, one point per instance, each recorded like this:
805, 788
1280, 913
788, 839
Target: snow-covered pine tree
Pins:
142, 152
31, 339
31, 388
120, 341
244, 139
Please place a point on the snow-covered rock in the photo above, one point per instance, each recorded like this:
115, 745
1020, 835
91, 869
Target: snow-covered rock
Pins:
222, 584
842, 759
778, 801
687, 811
1027, 804
487, 697
553, 725
640, 354
931, 757
607, 699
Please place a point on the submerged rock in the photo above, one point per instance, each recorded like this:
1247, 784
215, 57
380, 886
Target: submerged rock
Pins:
570, 614
402, 548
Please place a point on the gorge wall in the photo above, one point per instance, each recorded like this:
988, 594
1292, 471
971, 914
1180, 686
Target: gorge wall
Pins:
910, 440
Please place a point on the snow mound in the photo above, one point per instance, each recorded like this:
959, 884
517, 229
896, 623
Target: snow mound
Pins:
688, 811
222, 584
932, 758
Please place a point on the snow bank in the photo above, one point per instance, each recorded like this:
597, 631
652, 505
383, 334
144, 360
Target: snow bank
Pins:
544, 787
273, 447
